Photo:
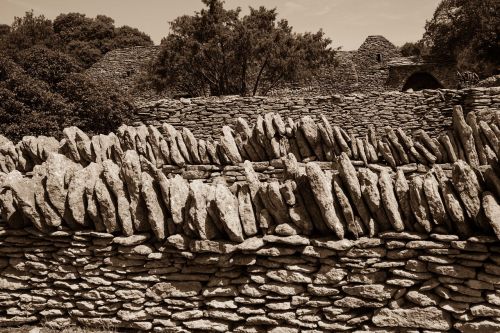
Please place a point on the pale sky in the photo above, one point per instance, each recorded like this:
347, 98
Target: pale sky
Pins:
346, 22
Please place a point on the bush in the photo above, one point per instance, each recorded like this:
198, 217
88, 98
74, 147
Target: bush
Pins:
30, 106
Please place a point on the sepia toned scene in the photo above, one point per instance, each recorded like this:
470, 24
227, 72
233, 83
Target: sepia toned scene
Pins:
249, 166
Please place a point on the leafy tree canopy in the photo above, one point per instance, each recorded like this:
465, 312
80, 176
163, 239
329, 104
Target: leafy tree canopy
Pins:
85, 39
466, 31
39, 101
218, 52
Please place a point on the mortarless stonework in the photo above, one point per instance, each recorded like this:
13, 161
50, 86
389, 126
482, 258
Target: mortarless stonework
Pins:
155, 229
429, 110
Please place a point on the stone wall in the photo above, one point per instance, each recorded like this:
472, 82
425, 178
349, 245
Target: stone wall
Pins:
154, 229
429, 110
398, 282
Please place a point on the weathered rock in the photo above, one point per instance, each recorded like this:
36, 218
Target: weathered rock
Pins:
389, 200
156, 215
246, 211
180, 187
492, 211
107, 208
478, 326
369, 188
162, 290
227, 209
60, 170
377, 292
467, 187
452, 203
419, 203
191, 145
322, 190
329, 275
464, 133
429, 318
197, 210
229, 145
436, 206
111, 173
353, 224
131, 173
23, 192
82, 182
350, 180
49, 213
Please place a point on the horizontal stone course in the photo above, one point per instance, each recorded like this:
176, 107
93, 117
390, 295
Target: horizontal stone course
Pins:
76, 281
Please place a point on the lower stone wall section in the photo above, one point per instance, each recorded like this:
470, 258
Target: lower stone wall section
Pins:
400, 282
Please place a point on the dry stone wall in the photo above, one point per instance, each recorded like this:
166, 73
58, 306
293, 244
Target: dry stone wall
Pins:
429, 110
279, 225
397, 282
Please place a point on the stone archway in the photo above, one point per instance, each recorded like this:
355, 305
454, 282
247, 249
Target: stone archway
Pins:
421, 80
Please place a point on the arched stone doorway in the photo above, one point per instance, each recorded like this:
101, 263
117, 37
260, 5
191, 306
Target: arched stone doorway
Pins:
421, 80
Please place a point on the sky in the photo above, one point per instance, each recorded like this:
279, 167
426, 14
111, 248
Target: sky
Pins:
346, 22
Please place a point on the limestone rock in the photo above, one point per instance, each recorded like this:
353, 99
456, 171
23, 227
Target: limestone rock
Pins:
197, 210
403, 194
429, 318
464, 133
478, 326
191, 145
452, 203
492, 211
23, 192
436, 206
323, 194
50, 215
227, 209
229, 145
419, 203
156, 215
389, 200
350, 180
111, 173
377, 292
246, 211
60, 169
369, 188
467, 187
275, 203
107, 207
353, 225
180, 187
131, 173
162, 290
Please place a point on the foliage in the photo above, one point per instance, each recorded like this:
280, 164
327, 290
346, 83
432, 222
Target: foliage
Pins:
468, 32
4, 29
85, 39
47, 65
410, 49
26, 32
97, 107
31, 106
218, 52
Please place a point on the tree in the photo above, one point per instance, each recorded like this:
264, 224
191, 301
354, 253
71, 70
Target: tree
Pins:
32, 106
127, 36
218, 52
410, 49
4, 29
47, 65
26, 32
468, 32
